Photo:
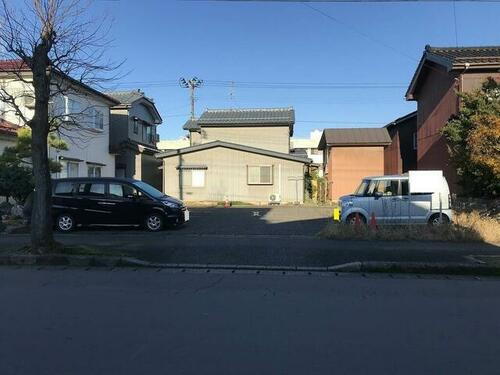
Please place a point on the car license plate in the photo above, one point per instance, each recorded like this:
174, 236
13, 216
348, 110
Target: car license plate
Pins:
186, 215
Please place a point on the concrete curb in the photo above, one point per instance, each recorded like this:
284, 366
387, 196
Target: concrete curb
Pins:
368, 267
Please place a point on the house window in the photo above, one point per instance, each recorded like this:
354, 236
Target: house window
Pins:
260, 175
198, 178
136, 126
147, 133
73, 107
98, 119
72, 169
415, 141
94, 171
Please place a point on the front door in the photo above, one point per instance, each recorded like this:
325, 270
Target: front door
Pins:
385, 204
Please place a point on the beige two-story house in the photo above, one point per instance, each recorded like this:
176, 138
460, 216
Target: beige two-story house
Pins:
238, 155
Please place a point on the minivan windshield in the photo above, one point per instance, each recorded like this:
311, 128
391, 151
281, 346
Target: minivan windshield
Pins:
361, 190
148, 189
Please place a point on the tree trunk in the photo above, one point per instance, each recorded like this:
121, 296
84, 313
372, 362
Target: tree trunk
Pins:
42, 240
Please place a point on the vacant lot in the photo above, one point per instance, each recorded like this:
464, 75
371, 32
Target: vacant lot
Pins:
257, 236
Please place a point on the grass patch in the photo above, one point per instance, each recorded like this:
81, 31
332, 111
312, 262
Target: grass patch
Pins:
466, 227
60, 249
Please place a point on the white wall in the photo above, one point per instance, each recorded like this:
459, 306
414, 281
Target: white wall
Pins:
85, 143
6, 141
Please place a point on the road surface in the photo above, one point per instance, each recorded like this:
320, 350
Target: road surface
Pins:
73, 321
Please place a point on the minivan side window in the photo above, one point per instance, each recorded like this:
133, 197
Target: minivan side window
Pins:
64, 189
121, 190
388, 187
91, 189
371, 188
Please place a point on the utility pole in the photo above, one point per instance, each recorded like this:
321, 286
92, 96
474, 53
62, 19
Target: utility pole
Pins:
191, 84
231, 94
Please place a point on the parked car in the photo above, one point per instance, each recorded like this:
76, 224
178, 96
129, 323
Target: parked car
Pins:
388, 198
113, 201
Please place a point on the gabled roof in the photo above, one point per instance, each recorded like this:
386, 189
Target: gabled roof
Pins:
233, 146
354, 137
127, 98
402, 119
455, 58
191, 124
8, 128
12, 66
244, 117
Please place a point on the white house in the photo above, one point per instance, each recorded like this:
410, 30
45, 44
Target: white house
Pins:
309, 147
173, 144
84, 113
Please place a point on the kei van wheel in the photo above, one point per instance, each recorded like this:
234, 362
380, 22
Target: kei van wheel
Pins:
434, 220
154, 222
351, 219
65, 223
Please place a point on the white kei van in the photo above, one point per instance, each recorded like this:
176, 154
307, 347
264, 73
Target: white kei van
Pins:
417, 197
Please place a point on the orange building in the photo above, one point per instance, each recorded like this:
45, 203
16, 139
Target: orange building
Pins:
351, 154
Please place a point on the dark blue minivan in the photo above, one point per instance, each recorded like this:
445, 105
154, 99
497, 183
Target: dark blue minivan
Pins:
114, 202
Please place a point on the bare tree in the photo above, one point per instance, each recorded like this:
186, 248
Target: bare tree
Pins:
50, 48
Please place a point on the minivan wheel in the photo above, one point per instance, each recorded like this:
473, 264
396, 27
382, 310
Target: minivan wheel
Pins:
351, 219
154, 222
65, 223
434, 220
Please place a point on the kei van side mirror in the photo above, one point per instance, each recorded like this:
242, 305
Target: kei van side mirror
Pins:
378, 194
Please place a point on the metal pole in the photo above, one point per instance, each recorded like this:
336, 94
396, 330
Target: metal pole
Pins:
440, 210
409, 203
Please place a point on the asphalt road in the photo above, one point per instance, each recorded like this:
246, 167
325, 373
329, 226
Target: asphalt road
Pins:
55, 321
258, 236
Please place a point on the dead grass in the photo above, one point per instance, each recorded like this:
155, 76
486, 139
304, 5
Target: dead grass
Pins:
466, 227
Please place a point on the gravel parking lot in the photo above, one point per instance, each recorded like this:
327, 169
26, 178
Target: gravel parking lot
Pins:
279, 220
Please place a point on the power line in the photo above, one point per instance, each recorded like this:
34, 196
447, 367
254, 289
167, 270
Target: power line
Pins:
350, 122
364, 35
272, 85
345, 1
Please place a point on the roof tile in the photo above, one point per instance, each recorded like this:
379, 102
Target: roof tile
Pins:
355, 137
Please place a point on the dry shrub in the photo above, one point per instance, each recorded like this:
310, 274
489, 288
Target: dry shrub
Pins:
488, 228
466, 227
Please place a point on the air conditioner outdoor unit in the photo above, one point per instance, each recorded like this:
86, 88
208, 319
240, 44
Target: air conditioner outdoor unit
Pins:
274, 198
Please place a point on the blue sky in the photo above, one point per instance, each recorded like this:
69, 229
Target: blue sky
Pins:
376, 43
